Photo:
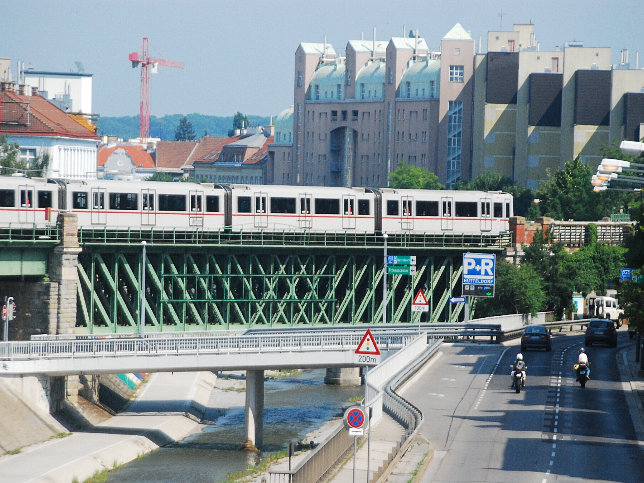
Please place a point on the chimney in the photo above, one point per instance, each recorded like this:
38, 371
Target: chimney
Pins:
5, 86
34, 91
21, 89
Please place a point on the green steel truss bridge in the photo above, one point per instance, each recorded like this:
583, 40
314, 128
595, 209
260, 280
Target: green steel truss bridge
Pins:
210, 281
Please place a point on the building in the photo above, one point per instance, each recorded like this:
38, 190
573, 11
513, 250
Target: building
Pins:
39, 128
355, 118
515, 110
242, 159
70, 91
125, 162
535, 110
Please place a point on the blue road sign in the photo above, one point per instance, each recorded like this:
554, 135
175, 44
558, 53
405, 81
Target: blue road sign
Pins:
457, 300
627, 274
478, 268
354, 417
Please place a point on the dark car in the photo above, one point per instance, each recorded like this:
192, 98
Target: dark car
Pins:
602, 331
536, 336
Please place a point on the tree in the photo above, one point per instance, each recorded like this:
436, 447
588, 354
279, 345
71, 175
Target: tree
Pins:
632, 294
10, 162
412, 177
518, 290
493, 181
184, 131
160, 177
240, 121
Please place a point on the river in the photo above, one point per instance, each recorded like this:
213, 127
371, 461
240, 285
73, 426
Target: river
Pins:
294, 406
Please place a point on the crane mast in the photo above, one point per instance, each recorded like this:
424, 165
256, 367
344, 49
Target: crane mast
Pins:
146, 63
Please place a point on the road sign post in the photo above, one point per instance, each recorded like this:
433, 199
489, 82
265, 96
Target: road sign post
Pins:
367, 353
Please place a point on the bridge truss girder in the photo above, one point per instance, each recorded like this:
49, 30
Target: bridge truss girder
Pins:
218, 288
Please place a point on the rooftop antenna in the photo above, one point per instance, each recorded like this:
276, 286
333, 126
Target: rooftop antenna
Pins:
501, 15
404, 30
373, 52
324, 50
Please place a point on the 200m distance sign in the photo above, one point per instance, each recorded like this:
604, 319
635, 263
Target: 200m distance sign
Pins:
355, 418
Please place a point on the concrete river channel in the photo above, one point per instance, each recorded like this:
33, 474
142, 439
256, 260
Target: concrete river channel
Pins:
294, 405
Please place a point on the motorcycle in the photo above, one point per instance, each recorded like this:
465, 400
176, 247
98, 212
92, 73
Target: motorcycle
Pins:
518, 380
582, 374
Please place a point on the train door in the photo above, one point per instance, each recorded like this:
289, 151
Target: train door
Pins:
196, 208
148, 209
98, 211
304, 215
407, 220
447, 212
26, 212
261, 210
348, 212
486, 214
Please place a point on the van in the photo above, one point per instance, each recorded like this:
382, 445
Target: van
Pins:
603, 307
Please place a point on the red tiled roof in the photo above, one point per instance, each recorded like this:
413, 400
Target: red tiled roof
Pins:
35, 115
210, 148
174, 154
259, 155
140, 157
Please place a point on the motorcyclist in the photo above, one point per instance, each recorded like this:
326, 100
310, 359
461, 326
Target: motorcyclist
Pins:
583, 359
519, 365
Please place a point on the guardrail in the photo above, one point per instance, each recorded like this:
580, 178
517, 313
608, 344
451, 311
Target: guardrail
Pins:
561, 324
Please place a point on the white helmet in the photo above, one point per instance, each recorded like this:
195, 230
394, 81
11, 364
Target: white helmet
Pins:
519, 357
582, 350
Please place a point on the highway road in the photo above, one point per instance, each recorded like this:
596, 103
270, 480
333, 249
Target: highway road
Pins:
554, 430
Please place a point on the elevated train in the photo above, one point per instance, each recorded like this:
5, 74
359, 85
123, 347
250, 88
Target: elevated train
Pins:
25, 203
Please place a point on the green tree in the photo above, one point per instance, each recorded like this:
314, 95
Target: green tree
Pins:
548, 260
184, 131
631, 294
493, 181
518, 290
165, 177
240, 121
412, 177
10, 162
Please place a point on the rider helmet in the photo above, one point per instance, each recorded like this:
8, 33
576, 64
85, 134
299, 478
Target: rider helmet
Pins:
582, 350
519, 356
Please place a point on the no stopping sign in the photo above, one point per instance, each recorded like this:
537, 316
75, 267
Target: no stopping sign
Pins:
354, 418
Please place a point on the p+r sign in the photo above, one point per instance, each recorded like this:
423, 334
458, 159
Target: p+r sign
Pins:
478, 268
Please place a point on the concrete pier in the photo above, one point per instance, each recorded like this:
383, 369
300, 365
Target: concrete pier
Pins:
254, 414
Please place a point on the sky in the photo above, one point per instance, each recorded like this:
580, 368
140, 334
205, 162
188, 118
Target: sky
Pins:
239, 55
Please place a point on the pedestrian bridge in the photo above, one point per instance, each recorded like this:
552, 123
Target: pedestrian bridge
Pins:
301, 350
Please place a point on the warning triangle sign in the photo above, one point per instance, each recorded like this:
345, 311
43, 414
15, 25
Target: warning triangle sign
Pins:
368, 345
420, 298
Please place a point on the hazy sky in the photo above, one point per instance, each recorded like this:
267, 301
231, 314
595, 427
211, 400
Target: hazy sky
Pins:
238, 55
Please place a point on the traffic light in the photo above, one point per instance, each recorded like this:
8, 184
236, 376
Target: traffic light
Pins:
11, 309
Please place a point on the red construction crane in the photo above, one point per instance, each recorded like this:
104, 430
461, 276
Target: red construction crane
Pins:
146, 62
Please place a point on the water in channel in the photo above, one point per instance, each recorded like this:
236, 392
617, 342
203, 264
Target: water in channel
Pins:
293, 406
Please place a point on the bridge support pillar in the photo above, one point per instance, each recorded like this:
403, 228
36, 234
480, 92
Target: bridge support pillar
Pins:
343, 376
254, 417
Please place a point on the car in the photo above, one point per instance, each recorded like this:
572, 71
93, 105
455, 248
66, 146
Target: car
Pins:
601, 331
536, 336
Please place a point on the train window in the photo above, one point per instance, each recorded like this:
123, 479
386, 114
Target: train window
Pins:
79, 200
485, 209
45, 199
465, 209
305, 206
507, 209
426, 208
392, 207
327, 206
98, 201
282, 205
212, 204
124, 201
7, 198
25, 198
172, 202
364, 207
498, 210
243, 204
195, 203
148, 201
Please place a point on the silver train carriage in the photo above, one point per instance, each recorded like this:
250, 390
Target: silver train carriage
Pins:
27, 202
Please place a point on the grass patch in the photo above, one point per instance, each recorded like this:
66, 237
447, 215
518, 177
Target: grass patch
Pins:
356, 399
60, 435
15, 451
417, 469
100, 476
261, 467
232, 389
283, 373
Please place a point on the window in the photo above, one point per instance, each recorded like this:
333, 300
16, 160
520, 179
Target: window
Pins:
212, 204
344, 115
172, 203
123, 201
327, 206
305, 206
98, 200
465, 209
45, 199
354, 115
7, 198
317, 92
392, 207
338, 89
196, 203
148, 201
300, 78
243, 204
426, 208
79, 200
456, 73
363, 207
334, 116
28, 155
26, 198
282, 205
498, 210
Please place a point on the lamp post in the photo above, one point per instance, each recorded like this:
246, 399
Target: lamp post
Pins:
142, 311
384, 282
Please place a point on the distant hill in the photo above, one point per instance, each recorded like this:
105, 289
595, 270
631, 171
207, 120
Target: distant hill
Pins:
127, 127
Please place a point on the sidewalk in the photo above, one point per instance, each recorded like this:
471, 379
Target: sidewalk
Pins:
633, 386
142, 428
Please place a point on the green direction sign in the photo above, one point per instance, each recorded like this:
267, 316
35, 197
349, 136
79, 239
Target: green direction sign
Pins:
401, 269
401, 260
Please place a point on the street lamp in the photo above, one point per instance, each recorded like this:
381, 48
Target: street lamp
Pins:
384, 282
142, 312
631, 147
